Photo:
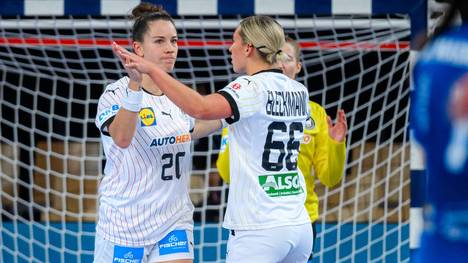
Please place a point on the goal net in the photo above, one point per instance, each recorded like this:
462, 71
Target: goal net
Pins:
53, 70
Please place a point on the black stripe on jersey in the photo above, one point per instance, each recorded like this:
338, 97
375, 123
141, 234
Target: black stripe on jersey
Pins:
274, 70
235, 110
111, 90
105, 126
152, 94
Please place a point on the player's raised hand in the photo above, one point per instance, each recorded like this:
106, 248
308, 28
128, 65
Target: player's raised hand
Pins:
132, 73
131, 60
338, 131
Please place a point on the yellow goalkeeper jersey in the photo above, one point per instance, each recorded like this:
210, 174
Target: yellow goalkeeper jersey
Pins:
320, 156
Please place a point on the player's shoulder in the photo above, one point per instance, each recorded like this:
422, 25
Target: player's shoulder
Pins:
298, 85
117, 87
243, 85
241, 81
315, 106
317, 113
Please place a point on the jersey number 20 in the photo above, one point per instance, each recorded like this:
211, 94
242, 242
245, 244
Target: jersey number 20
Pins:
170, 163
292, 145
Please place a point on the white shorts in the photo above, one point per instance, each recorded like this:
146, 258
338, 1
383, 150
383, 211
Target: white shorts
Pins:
288, 244
178, 244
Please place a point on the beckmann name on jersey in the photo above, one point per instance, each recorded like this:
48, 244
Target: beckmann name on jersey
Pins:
286, 103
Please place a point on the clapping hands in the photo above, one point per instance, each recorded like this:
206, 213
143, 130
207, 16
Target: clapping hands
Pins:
132, 62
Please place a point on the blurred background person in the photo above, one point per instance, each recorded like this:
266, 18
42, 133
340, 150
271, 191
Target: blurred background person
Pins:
440, 83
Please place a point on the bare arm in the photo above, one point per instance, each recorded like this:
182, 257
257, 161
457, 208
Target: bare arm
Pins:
204, 128
122, 128
210, 107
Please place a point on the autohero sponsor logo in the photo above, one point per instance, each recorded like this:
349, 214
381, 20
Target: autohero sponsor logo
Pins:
127, 255
147, 117
281, 184
174, 242
107, 112
170, 140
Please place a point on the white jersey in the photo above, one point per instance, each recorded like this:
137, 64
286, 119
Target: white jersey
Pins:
269, 114
144, 190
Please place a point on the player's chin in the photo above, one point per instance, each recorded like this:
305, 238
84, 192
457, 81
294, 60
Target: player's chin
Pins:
237, 69
168, 67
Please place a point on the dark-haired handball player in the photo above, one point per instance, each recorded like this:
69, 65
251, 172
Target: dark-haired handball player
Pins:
145, 213
267, 113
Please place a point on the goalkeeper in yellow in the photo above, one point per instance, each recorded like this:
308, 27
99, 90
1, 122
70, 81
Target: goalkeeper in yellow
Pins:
322, 152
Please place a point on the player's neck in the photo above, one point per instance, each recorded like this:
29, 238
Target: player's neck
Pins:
150, 86
256, 65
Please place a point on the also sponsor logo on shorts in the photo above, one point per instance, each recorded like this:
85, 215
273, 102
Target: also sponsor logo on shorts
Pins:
174, 242
127, 254
147, 117
158, 142
281, 184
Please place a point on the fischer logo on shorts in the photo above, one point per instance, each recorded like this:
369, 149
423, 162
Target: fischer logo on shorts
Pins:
147, 117
164, 141
128, 254
283, 184
174, 242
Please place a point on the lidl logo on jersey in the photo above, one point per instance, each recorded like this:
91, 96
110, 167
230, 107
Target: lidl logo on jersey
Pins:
127, 254
164, 141
283, 184
147, 117
174, 242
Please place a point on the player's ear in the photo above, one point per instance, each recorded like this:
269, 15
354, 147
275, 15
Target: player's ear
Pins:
248, 49
137, 48
298, 67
